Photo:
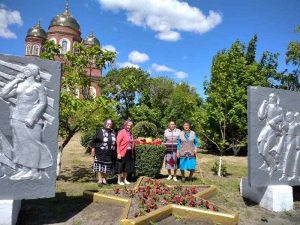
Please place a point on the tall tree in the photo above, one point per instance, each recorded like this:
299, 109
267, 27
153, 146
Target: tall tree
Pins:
74, 109
290, 78
224, 114
124, 86
251, 50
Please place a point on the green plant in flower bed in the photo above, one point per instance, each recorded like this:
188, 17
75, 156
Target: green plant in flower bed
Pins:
152, 194
149, 159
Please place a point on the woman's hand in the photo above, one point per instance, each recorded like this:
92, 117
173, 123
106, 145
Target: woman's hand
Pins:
195, 151
119, 156
178, 154
93, 152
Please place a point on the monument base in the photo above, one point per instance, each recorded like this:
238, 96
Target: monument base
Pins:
9, 211
277, 198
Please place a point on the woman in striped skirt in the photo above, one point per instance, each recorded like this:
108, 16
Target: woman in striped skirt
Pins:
170, 141
104, 151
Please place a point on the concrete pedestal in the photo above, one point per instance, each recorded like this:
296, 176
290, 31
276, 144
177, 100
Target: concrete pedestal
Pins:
277, 198
9, 211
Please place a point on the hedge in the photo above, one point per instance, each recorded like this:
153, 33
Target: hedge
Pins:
149, 159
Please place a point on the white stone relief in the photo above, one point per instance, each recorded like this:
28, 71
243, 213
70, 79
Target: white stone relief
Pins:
26, 97
279, 140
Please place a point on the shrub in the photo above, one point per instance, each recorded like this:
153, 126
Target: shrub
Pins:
215, 168
144, 129
149, 159
86, 140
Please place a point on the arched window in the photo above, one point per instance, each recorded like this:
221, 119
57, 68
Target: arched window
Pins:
93, 92
75, 50
64, 47
35, 50
28, 49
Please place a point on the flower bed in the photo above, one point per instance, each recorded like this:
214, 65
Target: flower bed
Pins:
152, 194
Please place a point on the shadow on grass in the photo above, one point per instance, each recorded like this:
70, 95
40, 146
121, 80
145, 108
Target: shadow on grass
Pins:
77, 174
51, 210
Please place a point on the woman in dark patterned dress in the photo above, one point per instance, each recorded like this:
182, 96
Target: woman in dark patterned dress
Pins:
104, 151
170, 141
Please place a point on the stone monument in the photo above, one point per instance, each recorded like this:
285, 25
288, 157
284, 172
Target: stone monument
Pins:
29, 104
273, 147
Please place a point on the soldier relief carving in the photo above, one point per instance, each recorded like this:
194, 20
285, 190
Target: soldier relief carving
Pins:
26, 156
279, 140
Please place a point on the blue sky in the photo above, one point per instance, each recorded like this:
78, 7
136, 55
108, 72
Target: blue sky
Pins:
165, 37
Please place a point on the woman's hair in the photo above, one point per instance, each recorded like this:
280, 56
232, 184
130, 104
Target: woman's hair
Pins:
126, 122
106, 121
186, 122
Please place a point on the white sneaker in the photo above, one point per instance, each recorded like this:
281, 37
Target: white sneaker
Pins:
126, 182
121, 183
169, 177
175, 179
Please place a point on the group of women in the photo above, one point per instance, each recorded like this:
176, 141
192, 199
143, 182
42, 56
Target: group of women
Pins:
115, 153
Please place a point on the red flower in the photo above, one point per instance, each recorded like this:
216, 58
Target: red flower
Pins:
117, 191
141, 189
194, 191
155, 206
192, 203
207, 204
145, 195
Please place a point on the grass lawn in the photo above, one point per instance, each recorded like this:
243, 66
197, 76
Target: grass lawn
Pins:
69, 207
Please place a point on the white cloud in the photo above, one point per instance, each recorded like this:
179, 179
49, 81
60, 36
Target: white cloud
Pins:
110, 48
181, 75
127, 64
168, 36
167, 18
7, 18
161, 68
138, 57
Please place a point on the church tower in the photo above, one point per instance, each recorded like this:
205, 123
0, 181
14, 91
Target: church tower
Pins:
35, 38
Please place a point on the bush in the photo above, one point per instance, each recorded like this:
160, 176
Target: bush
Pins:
215, 168
86, 141
144, 129
149, 159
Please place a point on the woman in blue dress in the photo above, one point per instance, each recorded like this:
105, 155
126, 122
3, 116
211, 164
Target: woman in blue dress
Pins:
187, 146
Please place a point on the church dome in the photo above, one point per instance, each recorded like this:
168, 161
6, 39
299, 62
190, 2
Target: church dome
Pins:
65, 20
37, 31
91, 40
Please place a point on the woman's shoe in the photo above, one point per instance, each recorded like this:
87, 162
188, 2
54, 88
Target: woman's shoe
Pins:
126, 182
175, 179
121, 183
100, 184
183, 180
169, 177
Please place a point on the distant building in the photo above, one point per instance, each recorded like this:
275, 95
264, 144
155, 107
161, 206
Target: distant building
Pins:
65, 31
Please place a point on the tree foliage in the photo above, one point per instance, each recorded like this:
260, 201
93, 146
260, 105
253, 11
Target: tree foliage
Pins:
124, 86
74, 109
224, 114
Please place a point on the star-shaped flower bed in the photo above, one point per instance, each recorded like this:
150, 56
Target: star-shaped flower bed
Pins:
152, 200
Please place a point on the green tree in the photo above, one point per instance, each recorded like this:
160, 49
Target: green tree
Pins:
82, 113
184, 102
124, 86
50, 50
290, 79
251, 50
224, 114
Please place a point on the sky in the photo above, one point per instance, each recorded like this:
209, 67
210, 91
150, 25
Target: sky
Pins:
177, 39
